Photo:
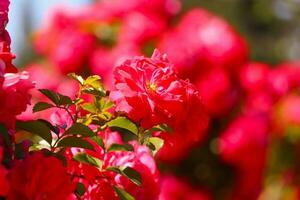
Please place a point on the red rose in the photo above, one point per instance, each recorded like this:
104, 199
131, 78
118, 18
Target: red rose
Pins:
286, 115
14, 97
205, 41
139, 27
66, 45
142, 161
103, 60
173, 188
189, 129
3, 15
39, 177
218, 92
253, 76
160, 7
244, 145
148, 90
99, 184
284, 77
6, 56
4, 184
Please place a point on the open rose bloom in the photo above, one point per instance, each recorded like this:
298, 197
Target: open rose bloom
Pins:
145, 100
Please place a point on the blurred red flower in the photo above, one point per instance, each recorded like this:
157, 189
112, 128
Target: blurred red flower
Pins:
173, 188
244, 145
40, 177
14, 96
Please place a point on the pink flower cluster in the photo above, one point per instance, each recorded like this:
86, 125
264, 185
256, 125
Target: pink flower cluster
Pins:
99, 184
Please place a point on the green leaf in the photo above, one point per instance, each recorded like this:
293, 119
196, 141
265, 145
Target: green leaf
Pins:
94, 81
64, 100
52, 128
94, 92
161, 127
77, 78
80, 189
133, 175
56, 98
36, 127
87, 159
105, 104
78, 101
93, 85
41, 106
98, 140
19, 151
53, 96
122, 194
128, 172
75, 142
90, 107
155, 142
80, 129
123, 123
120, 147
114, 169
5, 135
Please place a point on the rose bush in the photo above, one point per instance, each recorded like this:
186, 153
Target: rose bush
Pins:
197, 120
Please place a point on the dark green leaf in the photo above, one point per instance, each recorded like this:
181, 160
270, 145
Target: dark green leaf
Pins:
120, 147
5, 136
80, 129
80, 189
75, 142
87, 159
133, 175
36, 127
56, 98
122, 194
52, 128
53, 96
64, 100
123, 123
41, 106
19, 152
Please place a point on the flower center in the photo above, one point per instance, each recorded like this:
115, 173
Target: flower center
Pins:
152, 87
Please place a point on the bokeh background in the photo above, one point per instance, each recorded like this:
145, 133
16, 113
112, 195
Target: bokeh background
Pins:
272, 27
